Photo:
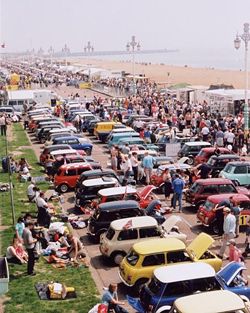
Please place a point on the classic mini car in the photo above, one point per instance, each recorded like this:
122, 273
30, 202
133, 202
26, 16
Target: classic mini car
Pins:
75, 143
203, 188
123, 233
217, 163
144, 257
206, 213
157, 176
191, 149
218, 301
172, 282
206, 153
238, 172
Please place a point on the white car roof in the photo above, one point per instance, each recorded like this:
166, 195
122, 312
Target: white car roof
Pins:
123, 130
180, 272
116, 191
99, 181
63, 151
59, 130
198, 143
139, 221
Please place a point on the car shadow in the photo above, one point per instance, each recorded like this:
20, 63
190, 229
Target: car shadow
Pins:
98, 262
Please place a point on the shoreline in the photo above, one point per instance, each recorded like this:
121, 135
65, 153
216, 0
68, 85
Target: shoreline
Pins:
168, 75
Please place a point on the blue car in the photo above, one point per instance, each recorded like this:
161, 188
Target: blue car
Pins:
74, 142
230, 279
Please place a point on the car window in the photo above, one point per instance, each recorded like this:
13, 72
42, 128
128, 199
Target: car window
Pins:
72, 141
210, 189
204, 284
154, 259
195, 188
248, 169
128, 213
82, 169
149, 232
226, 188
110, 233
177, 289
229, 168
132, 258
70, 172
240, 169
177, 256
128, 234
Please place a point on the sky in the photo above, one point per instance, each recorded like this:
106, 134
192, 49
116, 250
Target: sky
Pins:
109, 24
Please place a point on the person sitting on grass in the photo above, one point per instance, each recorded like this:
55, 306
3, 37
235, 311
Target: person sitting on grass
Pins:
15, 253
54, 259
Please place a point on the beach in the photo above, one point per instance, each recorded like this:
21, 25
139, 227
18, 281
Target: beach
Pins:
168, 75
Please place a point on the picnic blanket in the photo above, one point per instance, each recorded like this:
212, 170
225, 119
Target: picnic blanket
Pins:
54, 291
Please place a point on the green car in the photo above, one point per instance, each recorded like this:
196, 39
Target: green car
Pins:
238, 172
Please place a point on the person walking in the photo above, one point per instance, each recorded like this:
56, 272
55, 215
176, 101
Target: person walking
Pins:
3, 125
29, 243
148, 164
178, 186
229, 227
236, 209
135, 164
166, 177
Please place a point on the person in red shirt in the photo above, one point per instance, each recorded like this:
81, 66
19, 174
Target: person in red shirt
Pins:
234, 253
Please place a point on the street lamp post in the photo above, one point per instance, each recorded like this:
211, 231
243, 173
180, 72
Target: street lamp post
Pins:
89, 48
66, 52
51, 52
133, 45
245, 37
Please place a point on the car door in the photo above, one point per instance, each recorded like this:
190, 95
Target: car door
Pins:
241, 174
70, 177
74, 143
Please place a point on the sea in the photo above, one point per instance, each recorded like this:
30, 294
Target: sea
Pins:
217, 59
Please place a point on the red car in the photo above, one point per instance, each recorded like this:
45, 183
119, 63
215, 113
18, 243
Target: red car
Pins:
206, 153
207, 215
203, 188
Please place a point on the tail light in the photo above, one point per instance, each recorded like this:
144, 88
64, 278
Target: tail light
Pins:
129, 277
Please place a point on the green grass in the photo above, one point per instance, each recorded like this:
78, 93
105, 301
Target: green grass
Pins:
22, 296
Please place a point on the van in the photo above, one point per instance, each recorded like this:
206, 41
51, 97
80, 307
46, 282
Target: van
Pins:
114, 139
67, 175
172, 282
219, 301
139, 264
100, 221
191, 149
102, 130
118, 240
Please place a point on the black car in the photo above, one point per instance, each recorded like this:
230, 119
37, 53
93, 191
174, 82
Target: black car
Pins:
217, 163
91, 125
107, 212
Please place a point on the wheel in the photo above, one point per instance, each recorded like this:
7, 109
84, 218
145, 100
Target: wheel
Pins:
190, 161
88, 151
117, 257
138, 285
215, 229
63, 188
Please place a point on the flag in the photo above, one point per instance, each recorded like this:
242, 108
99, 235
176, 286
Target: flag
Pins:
3, 45
128, 225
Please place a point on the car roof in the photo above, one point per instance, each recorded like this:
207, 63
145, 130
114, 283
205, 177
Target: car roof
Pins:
63, 151
238, 163
75, 165
58, 147
122, 204
181, 272
175, 166
66, 137
212, 149
116, 191
158, 245
136, 222
100, 181
214, 181
198, 143
97, 172
218, 301
225, 196
131, 139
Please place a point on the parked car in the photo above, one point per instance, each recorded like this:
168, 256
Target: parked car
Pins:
139, 264
205, 153
70, 158
89, 190
49, 149
217, 163
114, 139
191, 149
102, 130
90, 125
136, 141
67, 175
207, 215
75, 143
172, 282
239, 172
203, 188
99, 222
123, 233
217, 301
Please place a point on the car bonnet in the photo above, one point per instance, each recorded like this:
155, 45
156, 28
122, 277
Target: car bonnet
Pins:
230, 271
200, 245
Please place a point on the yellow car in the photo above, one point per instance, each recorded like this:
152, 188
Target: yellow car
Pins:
144, 257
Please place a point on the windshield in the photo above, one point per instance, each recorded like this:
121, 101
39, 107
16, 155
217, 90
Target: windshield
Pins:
228, 168
154, 286
202, 153
96, 214
208, 206
110, 233
132, 258
195, 188
184, 148
211, 161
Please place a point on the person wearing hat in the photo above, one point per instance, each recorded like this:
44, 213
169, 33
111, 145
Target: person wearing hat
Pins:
229, 227
235, 254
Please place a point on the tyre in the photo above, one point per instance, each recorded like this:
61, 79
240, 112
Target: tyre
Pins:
190, 161
138, 285
215, 229
63, 188
88, 151
117, 257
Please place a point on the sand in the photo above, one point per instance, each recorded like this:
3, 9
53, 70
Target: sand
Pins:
177, 74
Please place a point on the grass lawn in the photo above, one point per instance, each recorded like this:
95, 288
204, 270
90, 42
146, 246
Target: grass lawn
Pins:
22, 296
